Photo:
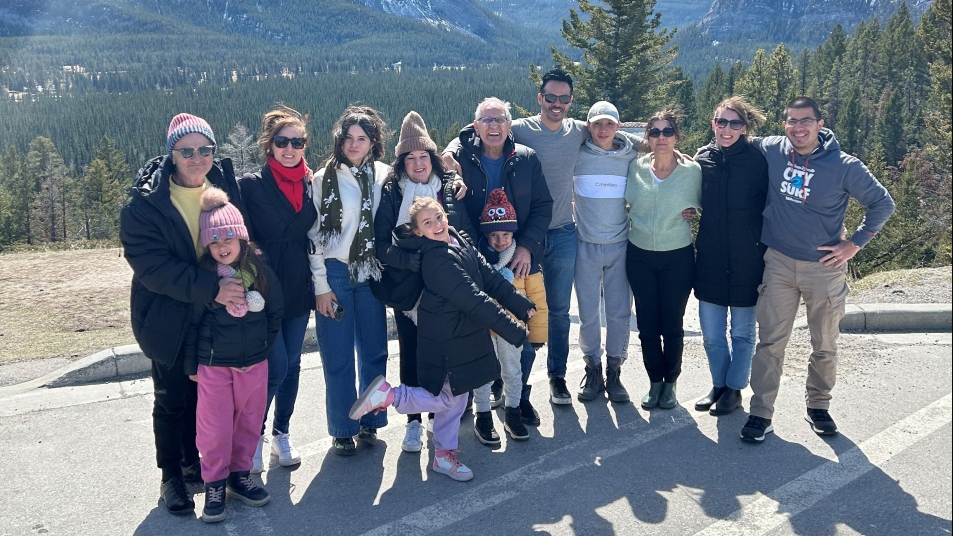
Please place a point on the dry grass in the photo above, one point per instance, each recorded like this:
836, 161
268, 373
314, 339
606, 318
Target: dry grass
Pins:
63, 303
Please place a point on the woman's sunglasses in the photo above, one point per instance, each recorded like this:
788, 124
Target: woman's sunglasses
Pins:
668, 132
282, 141
734, 124
189, 152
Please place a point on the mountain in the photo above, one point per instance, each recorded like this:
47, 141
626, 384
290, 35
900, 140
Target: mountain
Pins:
463, 16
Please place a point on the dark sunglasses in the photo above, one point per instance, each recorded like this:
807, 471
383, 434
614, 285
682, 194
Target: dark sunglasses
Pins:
734, 124
563, 99
668, 132
282, 141
189, 152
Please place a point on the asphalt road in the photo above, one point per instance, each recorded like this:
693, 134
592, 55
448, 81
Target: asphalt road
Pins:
80, 460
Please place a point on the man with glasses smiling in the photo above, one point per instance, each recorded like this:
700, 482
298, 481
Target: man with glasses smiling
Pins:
489, 159
810, 181
159, 231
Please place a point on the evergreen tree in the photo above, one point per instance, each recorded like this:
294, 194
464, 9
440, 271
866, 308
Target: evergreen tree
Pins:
849, 125
890, 128
45, 166
242, 148
624, 55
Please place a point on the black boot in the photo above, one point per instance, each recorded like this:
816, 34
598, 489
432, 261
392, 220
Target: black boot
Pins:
214, 510
243, 487
729, 401
592, 383
514, 425
705, 403
614, 387
483, 428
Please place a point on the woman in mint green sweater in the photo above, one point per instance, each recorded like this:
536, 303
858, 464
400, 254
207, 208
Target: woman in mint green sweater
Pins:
660, 259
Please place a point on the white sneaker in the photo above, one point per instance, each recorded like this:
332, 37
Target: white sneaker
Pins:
430, 426
281, 446
450, 466
257, 466
412, 442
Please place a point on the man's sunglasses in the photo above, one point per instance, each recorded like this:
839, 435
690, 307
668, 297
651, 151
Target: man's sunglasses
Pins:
668, 132
282, 141
490, 120
734, 124
563, 99
189, 152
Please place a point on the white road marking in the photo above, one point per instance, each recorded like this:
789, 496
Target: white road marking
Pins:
547, 468
779, 506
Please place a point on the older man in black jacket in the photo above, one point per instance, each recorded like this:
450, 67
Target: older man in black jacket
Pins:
489, 158
159, 231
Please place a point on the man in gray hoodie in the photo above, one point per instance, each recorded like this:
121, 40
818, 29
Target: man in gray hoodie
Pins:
810, 183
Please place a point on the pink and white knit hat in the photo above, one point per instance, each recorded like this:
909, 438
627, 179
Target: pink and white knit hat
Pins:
219, 218
183, 124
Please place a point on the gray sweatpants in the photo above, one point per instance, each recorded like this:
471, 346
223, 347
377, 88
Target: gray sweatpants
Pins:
600, 273
509, 357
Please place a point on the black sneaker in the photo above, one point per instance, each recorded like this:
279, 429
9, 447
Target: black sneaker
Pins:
755, 429
483, 429
528, 413
192, 474
176, 497
821, 421
513, 424
344, 446
367, 435
558, 393
241, 485
214, 510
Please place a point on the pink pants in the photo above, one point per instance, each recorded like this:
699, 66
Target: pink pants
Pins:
228, 419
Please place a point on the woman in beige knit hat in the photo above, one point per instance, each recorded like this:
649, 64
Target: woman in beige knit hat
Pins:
417, 172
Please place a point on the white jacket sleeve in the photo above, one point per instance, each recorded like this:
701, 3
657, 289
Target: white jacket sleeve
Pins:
319, 273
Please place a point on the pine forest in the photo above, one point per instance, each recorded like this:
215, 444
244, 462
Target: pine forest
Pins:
80, 113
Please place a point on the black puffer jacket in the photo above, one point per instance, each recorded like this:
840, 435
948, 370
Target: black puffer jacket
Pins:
222, 340
169, 290
525, 188
385, 222
457, 311
729, 262
283, 235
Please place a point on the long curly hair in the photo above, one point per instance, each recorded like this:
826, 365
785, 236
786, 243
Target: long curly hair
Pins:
371, 123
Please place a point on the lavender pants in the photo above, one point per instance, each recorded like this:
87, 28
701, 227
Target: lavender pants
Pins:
447, 410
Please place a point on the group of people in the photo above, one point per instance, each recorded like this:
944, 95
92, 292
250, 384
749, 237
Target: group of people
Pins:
476, 249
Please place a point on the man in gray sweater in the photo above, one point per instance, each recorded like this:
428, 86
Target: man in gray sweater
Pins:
810, 181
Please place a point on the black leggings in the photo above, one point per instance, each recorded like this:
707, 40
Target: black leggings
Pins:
661, 282
407, 341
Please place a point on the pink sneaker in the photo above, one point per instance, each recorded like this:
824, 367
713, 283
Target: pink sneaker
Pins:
378, 395
445, 462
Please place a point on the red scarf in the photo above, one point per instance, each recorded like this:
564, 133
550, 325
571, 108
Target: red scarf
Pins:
290, 180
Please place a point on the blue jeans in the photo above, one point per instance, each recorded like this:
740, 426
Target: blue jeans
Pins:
559, 266
284, 369
364, 329
730, 366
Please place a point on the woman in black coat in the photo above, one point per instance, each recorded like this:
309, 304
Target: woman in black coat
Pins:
418, 172
456, 313
279, 213
729, 261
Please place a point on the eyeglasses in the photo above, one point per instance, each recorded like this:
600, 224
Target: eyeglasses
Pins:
734, 124
189, 152
806, 122
282, 141
668, 132
491, 120
563, 99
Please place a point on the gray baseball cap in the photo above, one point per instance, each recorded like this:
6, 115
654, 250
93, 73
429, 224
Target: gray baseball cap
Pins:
603, 110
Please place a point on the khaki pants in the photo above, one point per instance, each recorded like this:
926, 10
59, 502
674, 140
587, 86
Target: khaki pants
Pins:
824, 291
